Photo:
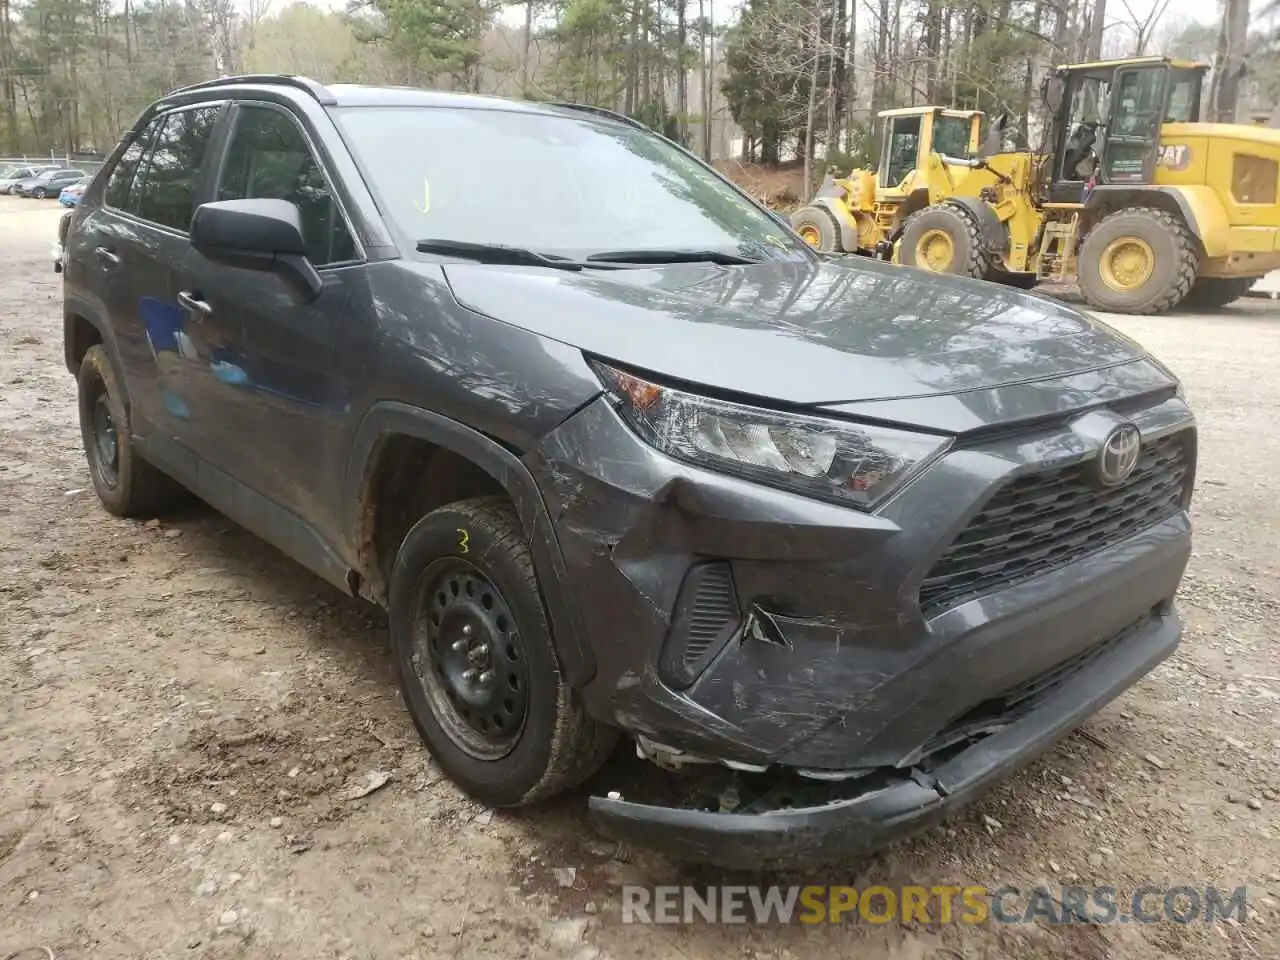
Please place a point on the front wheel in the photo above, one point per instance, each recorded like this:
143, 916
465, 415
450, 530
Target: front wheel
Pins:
943, 239
126, 484
477, 668
39, 193
818, 228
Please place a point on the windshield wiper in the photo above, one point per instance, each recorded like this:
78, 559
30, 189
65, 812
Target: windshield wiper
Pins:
496, 253
670, 256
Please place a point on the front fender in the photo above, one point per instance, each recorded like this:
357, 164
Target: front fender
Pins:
388, 418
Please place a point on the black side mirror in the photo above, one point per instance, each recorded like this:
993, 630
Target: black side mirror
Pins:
257, 235
1051, 92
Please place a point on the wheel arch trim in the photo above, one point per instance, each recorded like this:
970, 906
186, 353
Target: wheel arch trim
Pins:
77, 309
1199, 207
389, 418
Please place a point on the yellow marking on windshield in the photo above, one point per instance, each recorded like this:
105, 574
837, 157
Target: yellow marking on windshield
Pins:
425, 207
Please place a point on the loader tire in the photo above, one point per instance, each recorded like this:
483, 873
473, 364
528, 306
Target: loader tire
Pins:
817, 227
1142, 260
943, 239
1020, 281
1210, 293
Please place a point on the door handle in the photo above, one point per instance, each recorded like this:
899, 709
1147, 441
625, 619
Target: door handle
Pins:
107, 258
189, 300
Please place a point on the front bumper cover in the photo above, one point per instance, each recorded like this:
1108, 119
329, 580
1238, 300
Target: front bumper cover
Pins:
847, 828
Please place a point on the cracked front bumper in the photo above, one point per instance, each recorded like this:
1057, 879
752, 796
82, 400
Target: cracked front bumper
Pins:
847, 827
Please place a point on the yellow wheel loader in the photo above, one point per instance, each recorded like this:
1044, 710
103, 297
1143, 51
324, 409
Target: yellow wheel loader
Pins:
1131, 196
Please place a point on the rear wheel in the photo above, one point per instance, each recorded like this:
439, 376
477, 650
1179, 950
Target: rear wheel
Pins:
818, 228
942, 239
472, 649
1142, 260
126, 484
1210, 293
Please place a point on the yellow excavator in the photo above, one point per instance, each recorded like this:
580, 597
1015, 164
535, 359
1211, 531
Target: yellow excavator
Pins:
1130, 195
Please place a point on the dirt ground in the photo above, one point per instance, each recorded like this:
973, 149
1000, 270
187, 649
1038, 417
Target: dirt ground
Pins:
183, 710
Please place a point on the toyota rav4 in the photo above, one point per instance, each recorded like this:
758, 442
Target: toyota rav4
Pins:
618, 452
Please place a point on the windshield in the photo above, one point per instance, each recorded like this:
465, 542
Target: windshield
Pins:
951, 137
8, 173
561, 186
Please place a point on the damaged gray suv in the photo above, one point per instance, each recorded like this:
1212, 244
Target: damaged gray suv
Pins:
836, 544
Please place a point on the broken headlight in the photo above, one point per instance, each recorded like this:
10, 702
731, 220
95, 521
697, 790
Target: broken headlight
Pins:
853, 463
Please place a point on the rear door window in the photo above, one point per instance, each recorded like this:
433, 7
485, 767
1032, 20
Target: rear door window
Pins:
171, 184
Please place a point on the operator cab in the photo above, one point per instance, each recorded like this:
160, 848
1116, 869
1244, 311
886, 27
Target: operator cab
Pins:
1107, 120
913, 132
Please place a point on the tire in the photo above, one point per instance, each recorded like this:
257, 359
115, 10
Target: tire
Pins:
127, 485
39, 193
1020, 281
1141, 235
556, 745
819, 223
1210, 293
962, 245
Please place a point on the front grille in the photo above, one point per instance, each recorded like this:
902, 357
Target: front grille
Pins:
1041, 521
999, 711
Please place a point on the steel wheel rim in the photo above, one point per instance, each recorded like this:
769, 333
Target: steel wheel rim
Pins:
810, 235
1126, 264
935, 250
106, 441
469, 659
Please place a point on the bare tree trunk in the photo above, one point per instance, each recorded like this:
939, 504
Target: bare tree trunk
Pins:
682, 81
1096, 26
813, 100
528, 48
852, 58
832, 98
1229, 62
708, 73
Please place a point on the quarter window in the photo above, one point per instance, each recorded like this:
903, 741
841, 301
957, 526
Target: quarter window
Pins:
120, 191
172, 178
269, 159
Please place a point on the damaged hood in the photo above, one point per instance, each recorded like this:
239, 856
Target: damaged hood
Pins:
801, 333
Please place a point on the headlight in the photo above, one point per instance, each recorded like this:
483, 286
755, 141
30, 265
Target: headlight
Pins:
852, 463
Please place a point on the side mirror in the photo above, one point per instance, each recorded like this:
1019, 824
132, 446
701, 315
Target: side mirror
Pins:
261, 235
1051, 92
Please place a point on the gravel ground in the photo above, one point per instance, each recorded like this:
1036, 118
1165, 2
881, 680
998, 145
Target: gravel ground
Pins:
184, 712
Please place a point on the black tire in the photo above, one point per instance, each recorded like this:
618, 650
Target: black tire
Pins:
557, 745
819, 220
1021, 281
1174, 253
967, 257
126, 484
39, 193
1210, 293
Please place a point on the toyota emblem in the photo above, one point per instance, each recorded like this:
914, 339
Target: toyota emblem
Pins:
1119, 455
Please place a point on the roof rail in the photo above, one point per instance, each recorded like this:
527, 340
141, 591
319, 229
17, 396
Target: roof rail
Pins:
600, 111
313, 87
